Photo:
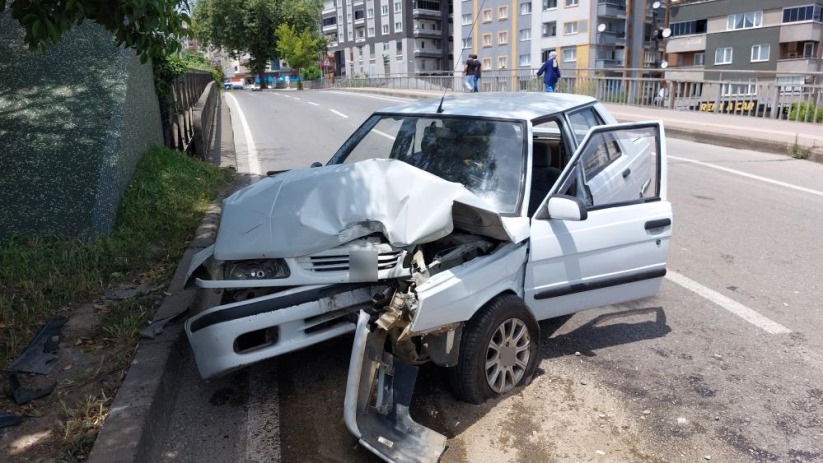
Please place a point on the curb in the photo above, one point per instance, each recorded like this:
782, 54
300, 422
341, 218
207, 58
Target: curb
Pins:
136, 424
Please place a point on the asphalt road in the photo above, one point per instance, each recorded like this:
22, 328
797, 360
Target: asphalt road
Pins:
725, 363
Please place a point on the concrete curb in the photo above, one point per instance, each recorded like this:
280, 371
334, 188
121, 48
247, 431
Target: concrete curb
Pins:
137, 422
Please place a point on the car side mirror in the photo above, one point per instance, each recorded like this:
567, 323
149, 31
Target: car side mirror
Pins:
563, 207
316, 164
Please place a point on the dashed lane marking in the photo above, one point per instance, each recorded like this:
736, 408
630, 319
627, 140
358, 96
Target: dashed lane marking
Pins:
339, 114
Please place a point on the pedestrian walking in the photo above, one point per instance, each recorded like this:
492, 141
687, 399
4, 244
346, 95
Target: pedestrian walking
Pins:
472, 72
550, 72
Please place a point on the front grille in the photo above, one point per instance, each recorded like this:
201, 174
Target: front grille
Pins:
340, 263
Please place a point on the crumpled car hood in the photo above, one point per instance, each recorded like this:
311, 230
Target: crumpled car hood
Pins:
304, 211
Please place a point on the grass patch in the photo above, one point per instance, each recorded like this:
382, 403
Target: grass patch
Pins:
45, 277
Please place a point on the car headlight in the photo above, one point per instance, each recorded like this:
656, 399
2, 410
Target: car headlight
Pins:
257, 270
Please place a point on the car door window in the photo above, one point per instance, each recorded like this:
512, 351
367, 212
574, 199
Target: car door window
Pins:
582, 120
617, 165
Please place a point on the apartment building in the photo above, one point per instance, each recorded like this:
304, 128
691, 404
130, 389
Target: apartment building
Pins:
603, 36
388, 37
779, 39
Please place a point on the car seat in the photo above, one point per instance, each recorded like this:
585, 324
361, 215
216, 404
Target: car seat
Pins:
543, 174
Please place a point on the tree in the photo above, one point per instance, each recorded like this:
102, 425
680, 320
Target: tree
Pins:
152, 28
248, 26
299, 50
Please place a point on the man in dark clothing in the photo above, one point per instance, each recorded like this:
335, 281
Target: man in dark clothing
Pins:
550, 72
472, 72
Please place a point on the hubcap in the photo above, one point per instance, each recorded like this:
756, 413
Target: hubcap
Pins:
507, 355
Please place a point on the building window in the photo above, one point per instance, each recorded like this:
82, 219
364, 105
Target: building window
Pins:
487, 40
570, 28
760, 52
723, 55
572, 2
350, 36
358, 14
371, 32
467, 43
502, 13
688, 27
398, 7
502, 38
699, 59
384, 10
744, 20
487, 15
399, 48
502, 62
802, 13
370, 13
487, 63
329, 21
526, 8
740, 89
385, 29
550, 29
549, 4
467, 19
569, 55
790, 84
398, 26
525, 61
525, 35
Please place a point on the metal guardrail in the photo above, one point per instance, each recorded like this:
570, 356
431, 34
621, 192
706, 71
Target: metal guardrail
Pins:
750, 93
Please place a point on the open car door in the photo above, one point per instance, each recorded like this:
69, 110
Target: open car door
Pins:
602, 234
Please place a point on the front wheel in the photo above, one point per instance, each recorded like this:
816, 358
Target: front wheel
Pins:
498, 351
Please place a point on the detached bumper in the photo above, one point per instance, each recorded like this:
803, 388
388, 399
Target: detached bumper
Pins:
378, 394
231, 336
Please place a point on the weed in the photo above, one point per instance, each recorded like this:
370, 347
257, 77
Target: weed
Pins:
799, 151
81, 422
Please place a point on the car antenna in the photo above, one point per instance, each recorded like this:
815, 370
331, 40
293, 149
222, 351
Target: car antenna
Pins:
460, 58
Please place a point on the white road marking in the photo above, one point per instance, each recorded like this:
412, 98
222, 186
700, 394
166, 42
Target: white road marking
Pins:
298, 99
263, 424
384, 134
251, 152
398, 100
313, 103
729, 304
752, 176
339, 113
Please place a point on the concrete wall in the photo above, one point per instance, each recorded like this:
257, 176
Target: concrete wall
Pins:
74, 121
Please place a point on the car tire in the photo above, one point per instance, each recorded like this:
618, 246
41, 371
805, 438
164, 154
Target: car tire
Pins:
505, 322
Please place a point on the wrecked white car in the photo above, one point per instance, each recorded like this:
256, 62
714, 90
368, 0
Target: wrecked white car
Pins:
441, 231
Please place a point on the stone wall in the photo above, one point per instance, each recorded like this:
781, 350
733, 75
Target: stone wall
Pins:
74, 121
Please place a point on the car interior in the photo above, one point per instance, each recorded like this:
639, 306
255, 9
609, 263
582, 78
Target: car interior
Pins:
548, 159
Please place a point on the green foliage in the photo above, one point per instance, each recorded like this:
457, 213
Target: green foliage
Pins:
248, 26
805, 112
299, 49
169, 67
311, 72
43, 277
152, 28
799, 151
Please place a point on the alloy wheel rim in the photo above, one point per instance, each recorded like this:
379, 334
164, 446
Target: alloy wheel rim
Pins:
507, 355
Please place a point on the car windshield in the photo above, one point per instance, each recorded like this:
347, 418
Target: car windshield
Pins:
486, 156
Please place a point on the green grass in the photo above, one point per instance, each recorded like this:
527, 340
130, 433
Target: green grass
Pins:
45, 277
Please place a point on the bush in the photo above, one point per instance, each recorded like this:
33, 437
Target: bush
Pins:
805, 112
311, 72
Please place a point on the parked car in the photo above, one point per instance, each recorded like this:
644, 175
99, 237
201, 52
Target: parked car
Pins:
227, 85
441, 231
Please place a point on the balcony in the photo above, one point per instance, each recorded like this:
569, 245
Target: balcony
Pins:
801, 32
608, 64
797, 65
330, 28
435, 34
611, 10
359, 21
685, 73
424, 13
686, 43
428, 53
614, 39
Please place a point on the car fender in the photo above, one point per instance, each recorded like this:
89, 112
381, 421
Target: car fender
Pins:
454, 296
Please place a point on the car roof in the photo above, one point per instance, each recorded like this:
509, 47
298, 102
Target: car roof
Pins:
506, 105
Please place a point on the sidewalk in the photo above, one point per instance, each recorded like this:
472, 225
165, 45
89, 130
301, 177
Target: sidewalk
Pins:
742, 132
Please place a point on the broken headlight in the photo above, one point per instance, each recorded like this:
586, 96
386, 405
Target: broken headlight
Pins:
269, 269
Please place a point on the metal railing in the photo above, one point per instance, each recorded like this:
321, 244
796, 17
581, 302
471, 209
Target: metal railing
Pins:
795, 97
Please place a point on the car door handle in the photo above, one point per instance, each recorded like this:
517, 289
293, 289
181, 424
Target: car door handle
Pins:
652, 224
627, 172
